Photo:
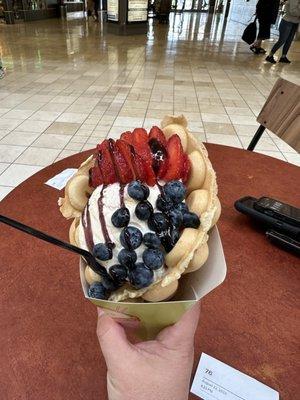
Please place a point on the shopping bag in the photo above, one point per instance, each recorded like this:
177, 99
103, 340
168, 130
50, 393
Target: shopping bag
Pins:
249, 34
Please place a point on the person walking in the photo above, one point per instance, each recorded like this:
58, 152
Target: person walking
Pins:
266, 14
90, 7
287, 30
96, 9
2, 70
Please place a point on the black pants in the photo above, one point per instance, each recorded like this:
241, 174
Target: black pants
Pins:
287, 32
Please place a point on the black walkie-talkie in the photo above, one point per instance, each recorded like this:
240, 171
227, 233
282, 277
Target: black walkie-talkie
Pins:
284, 241
272, 214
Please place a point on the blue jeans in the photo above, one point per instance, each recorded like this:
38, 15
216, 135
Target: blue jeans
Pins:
287, 32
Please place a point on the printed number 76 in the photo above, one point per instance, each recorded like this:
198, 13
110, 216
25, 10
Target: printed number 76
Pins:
208, 371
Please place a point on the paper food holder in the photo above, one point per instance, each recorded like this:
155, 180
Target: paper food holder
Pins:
192, 287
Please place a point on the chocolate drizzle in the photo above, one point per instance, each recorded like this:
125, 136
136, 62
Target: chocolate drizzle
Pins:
105, 233
111, 148
87, 228
121, 192
133, 161
159, 154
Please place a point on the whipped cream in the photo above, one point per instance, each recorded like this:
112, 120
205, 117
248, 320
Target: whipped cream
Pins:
111, 202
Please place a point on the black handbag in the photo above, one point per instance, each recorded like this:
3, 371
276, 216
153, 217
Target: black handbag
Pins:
249, 34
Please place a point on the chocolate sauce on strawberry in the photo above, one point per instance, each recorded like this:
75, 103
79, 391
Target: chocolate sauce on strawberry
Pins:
132, 152
105, 233
159, 154
111, 147
121, 192
87, 228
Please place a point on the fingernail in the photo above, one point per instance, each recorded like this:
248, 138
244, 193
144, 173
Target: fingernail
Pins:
100, 311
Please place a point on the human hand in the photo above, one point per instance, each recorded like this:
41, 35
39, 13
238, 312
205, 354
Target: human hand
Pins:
156, 369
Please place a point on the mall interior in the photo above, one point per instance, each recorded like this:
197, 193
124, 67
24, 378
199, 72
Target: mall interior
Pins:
134, 137
71, 80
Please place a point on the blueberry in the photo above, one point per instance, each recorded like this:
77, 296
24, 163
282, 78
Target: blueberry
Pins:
143, 210
138, 191
140, 276
153, 258
120, 217
182, 207
175, 190
127, 257
158, 222
191, 220
98, 291
151, 240
102, 252
174, 236
166, 241
119, 273
131, 238
109, 283
164, 203
175, 218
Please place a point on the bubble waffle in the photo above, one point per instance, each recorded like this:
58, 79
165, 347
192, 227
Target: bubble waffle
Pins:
191, 250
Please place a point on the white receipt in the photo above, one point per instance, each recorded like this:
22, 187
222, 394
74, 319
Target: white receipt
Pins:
60, 180
215, 380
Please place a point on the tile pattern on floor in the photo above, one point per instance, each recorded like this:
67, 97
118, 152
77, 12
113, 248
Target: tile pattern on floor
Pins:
65, 97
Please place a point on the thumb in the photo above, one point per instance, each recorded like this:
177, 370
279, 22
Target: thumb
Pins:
112, 338
182, 332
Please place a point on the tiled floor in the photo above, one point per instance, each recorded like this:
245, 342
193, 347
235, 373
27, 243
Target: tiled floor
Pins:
69, 84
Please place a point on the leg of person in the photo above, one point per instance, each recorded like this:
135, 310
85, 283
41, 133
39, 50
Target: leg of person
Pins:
256, 46
2, 71
284, 31
288, 43
263, 33
257, 43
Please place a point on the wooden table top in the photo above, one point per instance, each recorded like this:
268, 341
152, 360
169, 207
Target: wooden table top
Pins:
48, 344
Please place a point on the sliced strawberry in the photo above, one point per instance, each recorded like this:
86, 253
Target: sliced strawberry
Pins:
95, 175
122, 168
140, 136
157, 133
158, 145
102, 145
140, 143
138, 165
141, 147
175, 154
159, 157
127, 137
106, 164
124, 148
163, 168
150, 178
186, 168
133, 159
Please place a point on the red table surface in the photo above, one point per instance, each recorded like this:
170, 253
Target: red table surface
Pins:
48, 344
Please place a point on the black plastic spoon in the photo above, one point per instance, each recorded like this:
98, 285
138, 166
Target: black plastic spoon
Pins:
89, 258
